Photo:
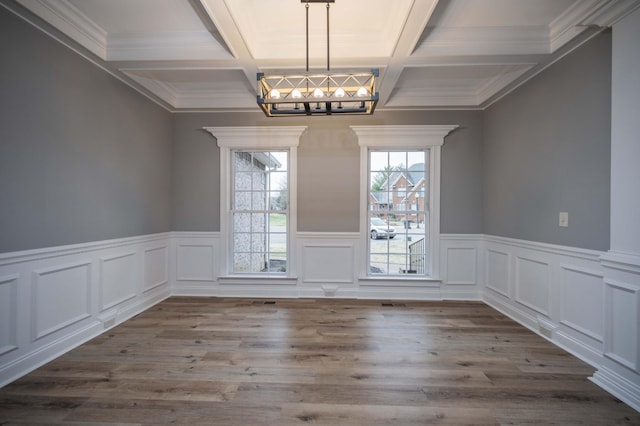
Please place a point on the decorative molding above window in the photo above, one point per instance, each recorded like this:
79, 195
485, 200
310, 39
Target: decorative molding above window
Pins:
257, 137
405, 136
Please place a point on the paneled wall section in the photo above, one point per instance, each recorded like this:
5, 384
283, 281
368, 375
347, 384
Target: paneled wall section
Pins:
54, 299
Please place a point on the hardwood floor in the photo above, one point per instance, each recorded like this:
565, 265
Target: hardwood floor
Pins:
330, 362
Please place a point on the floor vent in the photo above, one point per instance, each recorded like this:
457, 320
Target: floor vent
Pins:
394, 305
264, 302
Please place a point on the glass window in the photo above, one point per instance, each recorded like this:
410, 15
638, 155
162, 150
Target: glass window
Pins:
398, 214
259, 213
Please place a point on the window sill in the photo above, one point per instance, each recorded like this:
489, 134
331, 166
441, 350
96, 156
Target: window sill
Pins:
257, 280
405, 281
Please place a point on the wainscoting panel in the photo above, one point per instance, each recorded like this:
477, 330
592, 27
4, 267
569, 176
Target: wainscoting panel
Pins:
461, 268
620, 372
67, 286
156, 267
532, 284
195, 263
623, 321
498, 272
54, 299
582, 301
118, 279
8, 313
328, 263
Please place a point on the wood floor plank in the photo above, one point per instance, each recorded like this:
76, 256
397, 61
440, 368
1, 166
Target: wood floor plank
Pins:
234, 361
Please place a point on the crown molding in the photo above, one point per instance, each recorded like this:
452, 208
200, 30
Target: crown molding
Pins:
193, 45
72, 22
586, 13
454, 41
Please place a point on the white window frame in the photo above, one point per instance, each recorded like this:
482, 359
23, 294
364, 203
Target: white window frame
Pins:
259, 139
403, 138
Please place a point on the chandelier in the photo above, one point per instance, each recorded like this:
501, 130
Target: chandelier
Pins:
317, 93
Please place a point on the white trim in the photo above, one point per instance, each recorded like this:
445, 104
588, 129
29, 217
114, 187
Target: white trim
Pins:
256, 137
618, 385
31, 344
262, 137
68, 19
403, 137
616, 374
10, 258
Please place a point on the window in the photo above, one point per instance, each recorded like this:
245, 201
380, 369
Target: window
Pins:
259, 210
257, 200
400, 166
398, 237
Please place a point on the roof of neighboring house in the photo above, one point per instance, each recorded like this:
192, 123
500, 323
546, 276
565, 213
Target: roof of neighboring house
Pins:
382, 197
413, 175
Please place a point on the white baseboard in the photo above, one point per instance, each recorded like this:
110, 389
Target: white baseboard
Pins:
619, 386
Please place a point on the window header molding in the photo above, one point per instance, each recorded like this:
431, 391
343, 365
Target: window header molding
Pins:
405, 136
247, 137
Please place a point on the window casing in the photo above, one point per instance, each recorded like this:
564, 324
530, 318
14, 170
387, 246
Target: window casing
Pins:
257, 200
396, 142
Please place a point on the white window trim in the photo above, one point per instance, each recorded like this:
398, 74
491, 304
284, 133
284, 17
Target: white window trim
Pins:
403, 137
256, 138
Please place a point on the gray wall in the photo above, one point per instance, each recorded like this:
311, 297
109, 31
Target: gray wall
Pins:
83, 157
547, 150
328, 169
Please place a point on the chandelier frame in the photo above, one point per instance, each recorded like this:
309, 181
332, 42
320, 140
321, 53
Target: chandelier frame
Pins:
317, 93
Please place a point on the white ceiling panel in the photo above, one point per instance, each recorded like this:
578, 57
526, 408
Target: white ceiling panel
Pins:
453, 85
204, 54
276, 29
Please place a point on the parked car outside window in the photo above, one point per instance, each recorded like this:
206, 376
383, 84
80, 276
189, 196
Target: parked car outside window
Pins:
381, 229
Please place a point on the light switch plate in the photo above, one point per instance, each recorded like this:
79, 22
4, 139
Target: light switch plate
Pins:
564, 219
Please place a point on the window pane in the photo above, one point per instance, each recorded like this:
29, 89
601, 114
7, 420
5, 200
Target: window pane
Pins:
242, 221
258, 263
242, 181
278, 200
278, 181
258, 201
398, 160
241, 262
258, 181
242, 200
258, 222
379, 161
241, 242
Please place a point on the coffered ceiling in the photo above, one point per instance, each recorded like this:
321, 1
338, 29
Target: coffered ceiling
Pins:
191, 55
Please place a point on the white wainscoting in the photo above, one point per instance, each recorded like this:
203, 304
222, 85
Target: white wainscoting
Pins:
581, 300
461, 266
54, 299
555, 291
327, 264
620, 372
195, 263
585, 301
